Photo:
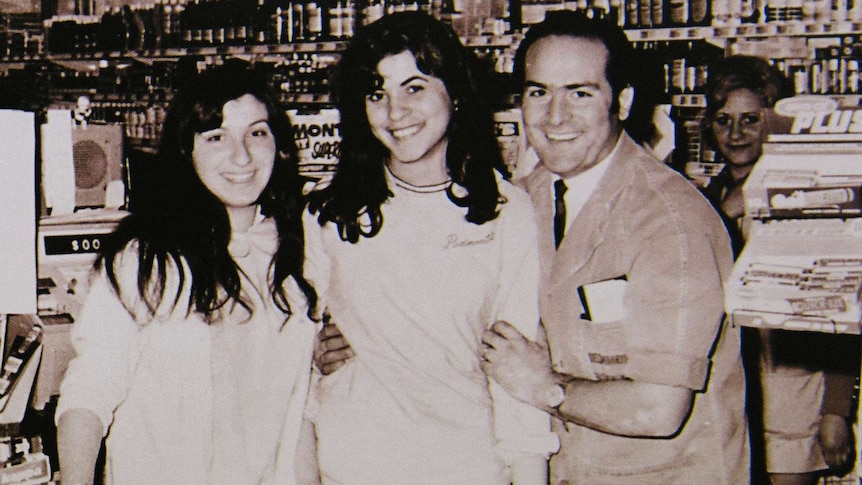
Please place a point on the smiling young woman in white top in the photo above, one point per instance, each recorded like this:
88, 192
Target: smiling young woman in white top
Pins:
417, 247
193, 350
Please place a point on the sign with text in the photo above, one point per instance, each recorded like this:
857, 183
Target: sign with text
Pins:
318, 138
810, 118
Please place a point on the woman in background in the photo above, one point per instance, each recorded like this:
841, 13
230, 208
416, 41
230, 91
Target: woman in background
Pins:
193, 348
740, 88
416, 247
806, 378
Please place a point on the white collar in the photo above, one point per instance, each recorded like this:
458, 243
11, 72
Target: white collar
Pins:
583, 185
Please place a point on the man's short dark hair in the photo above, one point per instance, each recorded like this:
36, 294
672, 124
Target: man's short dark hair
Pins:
623, 67
567, 23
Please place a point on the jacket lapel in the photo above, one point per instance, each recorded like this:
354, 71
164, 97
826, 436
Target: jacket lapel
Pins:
538, 185
589, 228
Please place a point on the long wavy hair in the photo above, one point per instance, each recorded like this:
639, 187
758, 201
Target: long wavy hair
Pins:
175, 219
359, 187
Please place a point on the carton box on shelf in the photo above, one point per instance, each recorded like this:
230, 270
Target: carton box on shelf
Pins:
801, 274
810, 164
796, 182
22, 462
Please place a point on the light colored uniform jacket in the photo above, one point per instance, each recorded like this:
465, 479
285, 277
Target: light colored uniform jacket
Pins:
648, 224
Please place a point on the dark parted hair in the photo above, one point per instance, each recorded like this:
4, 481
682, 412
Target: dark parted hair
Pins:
359, 188
620, 70
175, 218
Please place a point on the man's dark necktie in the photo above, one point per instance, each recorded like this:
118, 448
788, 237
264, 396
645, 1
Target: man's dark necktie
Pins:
559, 211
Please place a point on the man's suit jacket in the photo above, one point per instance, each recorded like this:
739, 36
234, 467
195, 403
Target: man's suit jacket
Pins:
645, 224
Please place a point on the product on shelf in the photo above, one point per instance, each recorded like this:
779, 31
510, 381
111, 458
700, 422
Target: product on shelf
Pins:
799, 275
23, 462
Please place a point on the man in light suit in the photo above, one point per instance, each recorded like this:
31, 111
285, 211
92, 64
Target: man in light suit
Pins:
640, 370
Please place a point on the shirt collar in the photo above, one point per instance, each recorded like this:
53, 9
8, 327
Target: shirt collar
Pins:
582, 185
262, 235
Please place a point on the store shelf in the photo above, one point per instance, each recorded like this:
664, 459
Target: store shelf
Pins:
676, 33
303, 98
21, 59
746, 31
688, 100
506, 40
262, 49
741, 31
790, 40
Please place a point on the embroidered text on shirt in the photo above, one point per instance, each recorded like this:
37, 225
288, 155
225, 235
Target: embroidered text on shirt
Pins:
453, 241
608, 359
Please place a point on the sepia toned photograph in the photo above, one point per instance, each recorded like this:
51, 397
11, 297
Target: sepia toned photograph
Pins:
430, 242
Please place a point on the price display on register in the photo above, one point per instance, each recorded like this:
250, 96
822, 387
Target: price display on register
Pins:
73, 244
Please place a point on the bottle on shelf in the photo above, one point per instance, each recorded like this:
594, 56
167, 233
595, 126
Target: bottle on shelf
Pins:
794, 11
632, 14
645, 15
334, 22
853, 76
175, 34
283, 22
111, 32
699, 12
372, 10
313, 20
134, 28
298, 22
839, 10
720, 12
189, 28
241, 16
264, 23
158, 19
678, 12
348, 18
